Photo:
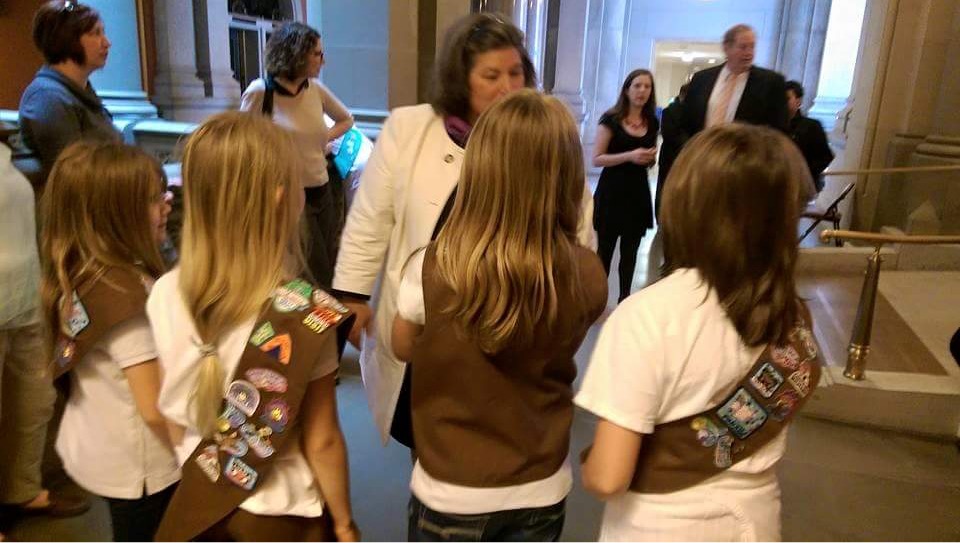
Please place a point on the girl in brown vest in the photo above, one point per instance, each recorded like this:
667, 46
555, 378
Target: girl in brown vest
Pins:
104, 213
249, 351
490, 316
695, 377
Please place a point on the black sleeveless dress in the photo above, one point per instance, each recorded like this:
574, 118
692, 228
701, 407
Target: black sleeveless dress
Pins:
622, 204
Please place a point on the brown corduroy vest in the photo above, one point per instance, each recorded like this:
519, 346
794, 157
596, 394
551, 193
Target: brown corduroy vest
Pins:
502, 420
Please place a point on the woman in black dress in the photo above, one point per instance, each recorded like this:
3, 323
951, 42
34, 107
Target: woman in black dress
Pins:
626, 145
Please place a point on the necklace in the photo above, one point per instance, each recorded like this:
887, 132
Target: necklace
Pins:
635, 125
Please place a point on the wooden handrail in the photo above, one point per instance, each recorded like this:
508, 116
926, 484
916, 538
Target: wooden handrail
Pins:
898, 169
827, 235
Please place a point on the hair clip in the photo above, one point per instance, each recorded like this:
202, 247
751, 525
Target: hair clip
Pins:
69, 5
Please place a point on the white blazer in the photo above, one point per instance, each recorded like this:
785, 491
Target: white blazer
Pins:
404, 186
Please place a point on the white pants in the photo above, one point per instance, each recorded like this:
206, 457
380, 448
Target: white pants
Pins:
729, 507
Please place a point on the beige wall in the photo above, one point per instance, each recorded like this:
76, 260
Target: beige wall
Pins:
18, 58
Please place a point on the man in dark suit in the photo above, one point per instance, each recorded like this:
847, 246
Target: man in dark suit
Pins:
736, 90
808, 134
671, 129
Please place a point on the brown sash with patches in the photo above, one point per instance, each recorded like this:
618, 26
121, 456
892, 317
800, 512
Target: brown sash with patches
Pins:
685, 452
261, 406
114, 297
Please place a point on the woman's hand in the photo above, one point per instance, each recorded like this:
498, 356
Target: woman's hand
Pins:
364, 313
644, 156
347, 532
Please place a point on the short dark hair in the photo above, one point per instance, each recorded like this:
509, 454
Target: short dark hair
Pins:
57, 28
796, 87
731, 34
289, 49
471, 36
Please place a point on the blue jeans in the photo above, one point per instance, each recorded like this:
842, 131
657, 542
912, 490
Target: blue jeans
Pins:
535, 524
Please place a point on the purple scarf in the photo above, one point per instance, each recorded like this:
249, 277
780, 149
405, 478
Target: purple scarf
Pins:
458, 129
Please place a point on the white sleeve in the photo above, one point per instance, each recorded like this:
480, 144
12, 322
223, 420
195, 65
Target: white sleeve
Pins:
623, 380
252, 98
370, 222
328, 361
410, 295
129, 343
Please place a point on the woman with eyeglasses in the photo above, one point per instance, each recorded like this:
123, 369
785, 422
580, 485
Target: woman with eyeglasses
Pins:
294, 98
407, 189
60, 106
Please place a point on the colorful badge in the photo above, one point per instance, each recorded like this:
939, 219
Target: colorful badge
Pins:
230, 418
232, 444
209, 463
322, 318
244, 396
784, 404
79, 319
806, 340
707, 431
786, 357
723, 454
742, 413
279, 348
294, 296
323, 299
260, 444
268, 380
240, 473
767, 380
262, 334
800, 379
65, 351
276, 415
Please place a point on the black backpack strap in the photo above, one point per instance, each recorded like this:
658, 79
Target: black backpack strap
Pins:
266, 107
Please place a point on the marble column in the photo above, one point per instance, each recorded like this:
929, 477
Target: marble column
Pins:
571, 53
839, 57
803, 32
120, 82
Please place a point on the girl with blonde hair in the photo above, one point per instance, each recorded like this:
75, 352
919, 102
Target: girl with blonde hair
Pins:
696, 377
249, 350
490, 316
104, 216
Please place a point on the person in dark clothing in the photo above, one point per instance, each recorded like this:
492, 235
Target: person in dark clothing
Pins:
673, 140
808, 134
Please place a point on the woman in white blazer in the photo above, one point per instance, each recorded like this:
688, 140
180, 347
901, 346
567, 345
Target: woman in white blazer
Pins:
405, 186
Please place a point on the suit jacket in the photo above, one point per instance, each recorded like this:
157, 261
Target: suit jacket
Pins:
764, 99
812, 140
674, 137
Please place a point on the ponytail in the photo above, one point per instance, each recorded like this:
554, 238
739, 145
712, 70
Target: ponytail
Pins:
207, 392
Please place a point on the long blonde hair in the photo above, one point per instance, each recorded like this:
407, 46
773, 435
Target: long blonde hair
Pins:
242, 200
507, 250
730, 211
95, 214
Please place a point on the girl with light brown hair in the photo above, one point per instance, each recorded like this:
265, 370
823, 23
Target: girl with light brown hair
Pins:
696, 377
249, 350
490, 316
104, 214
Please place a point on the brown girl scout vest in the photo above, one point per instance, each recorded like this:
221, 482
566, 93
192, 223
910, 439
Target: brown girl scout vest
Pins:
261, 405
497, 420
688, 451
99, 305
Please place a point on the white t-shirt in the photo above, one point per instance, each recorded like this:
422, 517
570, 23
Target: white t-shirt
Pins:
291, 488
668, 352
105, 445
464, 500
302, 115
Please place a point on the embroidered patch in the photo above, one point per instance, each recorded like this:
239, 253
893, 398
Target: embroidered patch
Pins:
276, 415
784, 404
323, 299
707, 431
240, 473
742, 414
209, 463
232, 444
244, 396
230, 418
322, 318
723, 454
279, 348
767, 380
262, 334
294, 296
786, 357
260, 444
800, 379
807, 341
78, 320
65, 351
268, 380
